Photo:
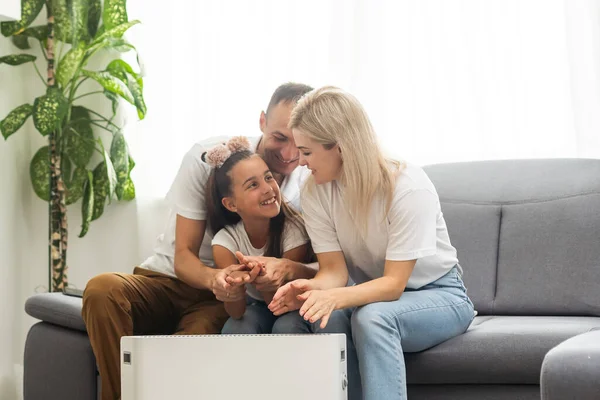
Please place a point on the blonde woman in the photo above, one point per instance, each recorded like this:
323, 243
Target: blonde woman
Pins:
379, 222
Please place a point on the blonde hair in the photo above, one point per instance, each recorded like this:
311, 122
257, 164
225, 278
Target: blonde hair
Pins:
331, 116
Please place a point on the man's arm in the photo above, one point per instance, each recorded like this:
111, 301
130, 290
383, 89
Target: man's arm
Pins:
189, 234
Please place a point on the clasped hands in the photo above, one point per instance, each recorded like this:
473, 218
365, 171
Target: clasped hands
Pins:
267, 274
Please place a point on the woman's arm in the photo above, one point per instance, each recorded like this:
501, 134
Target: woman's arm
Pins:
387, 288
224, 258
319, 304
332, 273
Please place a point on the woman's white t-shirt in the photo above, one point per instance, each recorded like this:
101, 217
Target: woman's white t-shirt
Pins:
414, 228
234, 238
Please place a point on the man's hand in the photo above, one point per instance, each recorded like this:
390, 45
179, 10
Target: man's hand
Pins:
287, 298
274, 271
228, 284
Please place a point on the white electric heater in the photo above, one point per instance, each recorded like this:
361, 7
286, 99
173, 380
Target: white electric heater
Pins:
234, 367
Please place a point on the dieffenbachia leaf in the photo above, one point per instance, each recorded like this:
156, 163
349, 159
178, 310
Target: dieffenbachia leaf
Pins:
21, 42
134, 82
100, 190
68, 65
119, 157
95, 10
49, 110
79, 137
75, 186
110, 83
15, 119
39, 172
39, 32
115, 13
65, 169
17, 59
71, 20
114, 33
87, 206
111, 175
29, 12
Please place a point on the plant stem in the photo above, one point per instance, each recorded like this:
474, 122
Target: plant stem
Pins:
104, 118
39, 74
101, 126
43, 50
88, 94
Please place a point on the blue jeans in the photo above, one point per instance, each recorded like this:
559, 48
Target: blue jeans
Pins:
257, 319
379, 333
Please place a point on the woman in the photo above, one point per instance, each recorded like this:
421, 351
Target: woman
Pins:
246, 210
379, 222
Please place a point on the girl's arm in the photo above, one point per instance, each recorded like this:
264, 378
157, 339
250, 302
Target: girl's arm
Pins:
224, 258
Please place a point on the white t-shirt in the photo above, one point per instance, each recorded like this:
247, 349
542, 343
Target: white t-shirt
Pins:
413, 229
234, 238
186, 198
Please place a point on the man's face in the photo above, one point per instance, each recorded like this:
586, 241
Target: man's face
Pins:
280, 152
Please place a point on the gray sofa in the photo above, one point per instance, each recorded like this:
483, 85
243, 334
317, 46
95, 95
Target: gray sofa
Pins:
528, 238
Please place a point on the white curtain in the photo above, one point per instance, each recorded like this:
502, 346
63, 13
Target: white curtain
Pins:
443, 81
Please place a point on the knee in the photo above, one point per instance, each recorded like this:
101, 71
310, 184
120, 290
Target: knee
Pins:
240, 326
368, 318
99, 290
289, 323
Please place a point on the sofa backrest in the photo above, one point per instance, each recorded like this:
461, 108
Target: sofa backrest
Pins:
527, 233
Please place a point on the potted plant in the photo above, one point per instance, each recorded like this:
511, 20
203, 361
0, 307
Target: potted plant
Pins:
63, 171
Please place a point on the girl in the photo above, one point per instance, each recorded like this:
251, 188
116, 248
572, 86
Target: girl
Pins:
379, 222
246, 211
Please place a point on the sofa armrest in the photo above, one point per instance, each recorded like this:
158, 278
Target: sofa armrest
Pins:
571, 369
56, 308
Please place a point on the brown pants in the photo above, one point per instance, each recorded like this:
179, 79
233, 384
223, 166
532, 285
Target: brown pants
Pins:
142, 303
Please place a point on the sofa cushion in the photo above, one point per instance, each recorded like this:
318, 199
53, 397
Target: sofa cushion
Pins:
495, 350
57, 309
549, 260
474, 230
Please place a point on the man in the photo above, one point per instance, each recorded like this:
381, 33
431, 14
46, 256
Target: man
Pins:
177, 290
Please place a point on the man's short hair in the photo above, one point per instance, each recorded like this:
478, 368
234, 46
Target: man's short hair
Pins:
288, 93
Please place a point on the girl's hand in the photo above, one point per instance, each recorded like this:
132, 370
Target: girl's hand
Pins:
286, 298
318, 305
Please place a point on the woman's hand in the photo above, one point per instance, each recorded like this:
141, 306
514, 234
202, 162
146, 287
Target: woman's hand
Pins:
318, 305
286, 298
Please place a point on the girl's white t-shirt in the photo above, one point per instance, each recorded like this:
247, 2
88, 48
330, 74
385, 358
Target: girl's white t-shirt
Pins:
414, 228
234, 238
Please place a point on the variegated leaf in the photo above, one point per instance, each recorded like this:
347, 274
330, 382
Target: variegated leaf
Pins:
21, 42
17, 59
15, 119
119, 157
79, 137
115, 13
111, 176
134, 82
76, 185
128, 190
29, 12
39, 172
100, 190
87, 206
110, 83
95, 10
49, 110
115, 32
68, 65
